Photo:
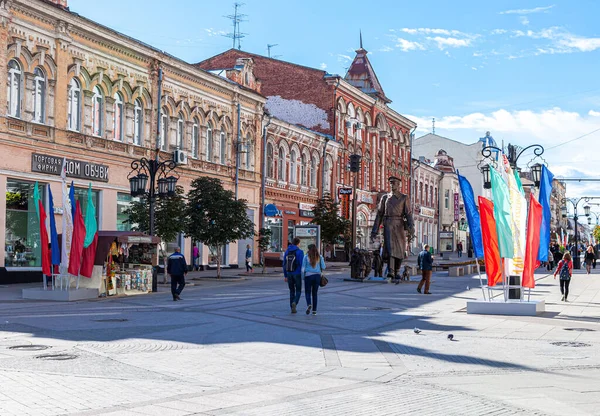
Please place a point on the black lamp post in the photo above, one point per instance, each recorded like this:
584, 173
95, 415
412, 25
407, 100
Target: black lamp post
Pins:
161, 185
586, 210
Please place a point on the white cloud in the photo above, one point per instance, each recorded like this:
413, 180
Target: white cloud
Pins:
430, 31
473, 68
524, 20
594, 113
443, 43
544, 9
386, 49
498, 31
343, 58
406, 45
559, 41
213, 32
323, 66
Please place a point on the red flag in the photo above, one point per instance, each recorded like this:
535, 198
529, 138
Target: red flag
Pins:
534, 222
491, 252
46, 268
77, 242
89, 255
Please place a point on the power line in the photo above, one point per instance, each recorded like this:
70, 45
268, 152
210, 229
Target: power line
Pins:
572, 140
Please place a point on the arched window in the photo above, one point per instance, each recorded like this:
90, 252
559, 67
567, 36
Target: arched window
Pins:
209, 142
14, 88
269, 160
118, 127
138, 120
249, 151
223, 146
97, 111
327, 184
367, 172
426, 195
74, 105
281, 165
421, 193
180, 131
313, 173
164, 128
195, 135
303, 170
39, 95
431, 196
293, 167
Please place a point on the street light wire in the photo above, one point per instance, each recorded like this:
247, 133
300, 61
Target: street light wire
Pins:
572, 140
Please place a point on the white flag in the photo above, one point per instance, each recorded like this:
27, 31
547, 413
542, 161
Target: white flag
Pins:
67, 224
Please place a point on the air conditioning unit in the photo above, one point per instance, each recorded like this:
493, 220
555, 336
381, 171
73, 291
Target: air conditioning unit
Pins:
180, 157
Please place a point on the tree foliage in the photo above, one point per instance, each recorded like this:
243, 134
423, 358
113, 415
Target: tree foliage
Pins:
327, 216
264, 242
596, 233
215, 217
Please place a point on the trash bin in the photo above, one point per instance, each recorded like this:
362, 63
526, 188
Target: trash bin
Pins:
514, 292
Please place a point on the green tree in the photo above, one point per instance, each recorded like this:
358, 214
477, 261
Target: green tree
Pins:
264, 242
215, 217
596, 233
332, 224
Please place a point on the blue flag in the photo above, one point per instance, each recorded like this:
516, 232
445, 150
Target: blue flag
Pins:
53, 234
72, 198
545, 191
472, 215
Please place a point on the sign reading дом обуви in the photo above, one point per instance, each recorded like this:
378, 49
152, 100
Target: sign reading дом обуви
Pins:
75, 168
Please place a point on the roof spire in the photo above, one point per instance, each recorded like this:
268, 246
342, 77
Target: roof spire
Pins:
360, 31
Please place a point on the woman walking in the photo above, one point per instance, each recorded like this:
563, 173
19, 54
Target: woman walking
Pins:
589, 258
565, 268
249, 259
312, 267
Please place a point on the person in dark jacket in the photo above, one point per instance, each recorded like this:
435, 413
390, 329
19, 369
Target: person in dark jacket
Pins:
425, 261
177, 269
292, 269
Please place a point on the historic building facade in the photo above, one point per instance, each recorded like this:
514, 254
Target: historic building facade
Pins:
80, 90
426, 209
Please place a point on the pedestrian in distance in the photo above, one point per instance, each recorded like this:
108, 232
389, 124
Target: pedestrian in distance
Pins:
589, 258
565, 268
196, 258
459, 249
550, 263
425, 261
312, 267
292, 270
177, 268
249, 259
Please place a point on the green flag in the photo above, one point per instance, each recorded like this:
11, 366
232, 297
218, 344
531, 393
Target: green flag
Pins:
36, 199
502, 212
519, 183
91, 226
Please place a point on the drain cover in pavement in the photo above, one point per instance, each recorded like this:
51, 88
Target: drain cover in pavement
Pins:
29, 347
570, 344
111, 320
579, 329
56, 357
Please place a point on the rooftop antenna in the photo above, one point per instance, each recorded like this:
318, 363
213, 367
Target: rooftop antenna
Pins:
360, 31
433, 122
236, 18
269, 46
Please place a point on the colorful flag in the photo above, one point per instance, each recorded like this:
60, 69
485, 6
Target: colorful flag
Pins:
77, 243
518, 204
534, 221
53, 234
472, 215
67, 225
46, 267
91, 237
36, 199
72, 199
545, 192
490, 242
503, 216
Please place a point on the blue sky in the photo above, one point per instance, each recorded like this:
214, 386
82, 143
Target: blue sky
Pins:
525, 70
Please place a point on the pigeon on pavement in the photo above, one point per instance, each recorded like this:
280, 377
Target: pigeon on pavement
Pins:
417, 330
450, 337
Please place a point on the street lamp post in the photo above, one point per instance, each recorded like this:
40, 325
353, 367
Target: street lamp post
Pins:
575, 202
355, 167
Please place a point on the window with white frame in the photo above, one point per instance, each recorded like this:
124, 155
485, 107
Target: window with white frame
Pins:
270, 160
164, 128
97, 112
209, 142
293, 167
14, 88
249, 151
195, 136
223, 147
446, 199
118, 117
367, 172
327, 183
138, 120
74, 105
180, 130
39, 95
281, 165
313, 173
303, 170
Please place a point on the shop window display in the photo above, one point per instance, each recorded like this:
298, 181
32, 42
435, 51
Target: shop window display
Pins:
22, 247
276, 227
128, 267
123, 203
81, 196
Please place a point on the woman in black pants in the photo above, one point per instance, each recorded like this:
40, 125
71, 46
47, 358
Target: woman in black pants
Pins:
565, 268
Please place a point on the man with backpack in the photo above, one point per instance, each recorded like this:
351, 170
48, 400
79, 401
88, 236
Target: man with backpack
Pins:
425, 262
292, 267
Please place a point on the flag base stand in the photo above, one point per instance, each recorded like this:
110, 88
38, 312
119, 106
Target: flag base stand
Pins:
509, 307
70, 295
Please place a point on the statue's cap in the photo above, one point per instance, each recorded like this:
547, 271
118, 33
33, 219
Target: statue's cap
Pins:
394, 178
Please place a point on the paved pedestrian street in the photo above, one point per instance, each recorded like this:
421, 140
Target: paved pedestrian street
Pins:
232, 347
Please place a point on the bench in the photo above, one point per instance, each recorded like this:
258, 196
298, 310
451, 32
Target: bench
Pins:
456, 271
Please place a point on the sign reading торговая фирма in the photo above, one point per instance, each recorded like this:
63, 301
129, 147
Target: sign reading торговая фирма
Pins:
75, 168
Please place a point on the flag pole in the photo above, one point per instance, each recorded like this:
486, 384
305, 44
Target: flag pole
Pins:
480, 280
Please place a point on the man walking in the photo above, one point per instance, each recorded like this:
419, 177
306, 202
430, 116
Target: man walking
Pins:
459, 249
177, 269
292, 268
425, 261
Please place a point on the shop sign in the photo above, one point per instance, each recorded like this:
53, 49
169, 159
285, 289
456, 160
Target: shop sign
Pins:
305, 207
271, 210
139, 239
75, 168
305, 213
456, 208
446, 234
289, 212
345, 191
427, 212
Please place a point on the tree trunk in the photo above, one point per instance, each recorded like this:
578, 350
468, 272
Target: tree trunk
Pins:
262, 260
218, 262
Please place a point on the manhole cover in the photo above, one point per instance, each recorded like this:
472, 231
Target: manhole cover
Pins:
56, 357
29, 347
579, 329
111, 320
570, 344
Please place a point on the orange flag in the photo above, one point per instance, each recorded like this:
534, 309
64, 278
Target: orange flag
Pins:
77, 242
534, 222
491, 252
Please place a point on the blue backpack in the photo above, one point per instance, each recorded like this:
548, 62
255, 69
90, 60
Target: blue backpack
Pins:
564, 271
